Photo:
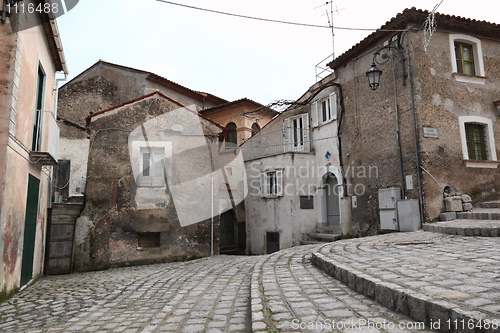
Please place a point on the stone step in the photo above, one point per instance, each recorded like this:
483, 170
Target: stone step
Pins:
323, 237
483, 214
306, 242
327, 230
490, 204
483, 228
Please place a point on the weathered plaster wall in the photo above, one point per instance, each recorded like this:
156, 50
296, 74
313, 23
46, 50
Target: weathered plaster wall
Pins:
282, 214
106, 233
8, 42
21, 54
78, 168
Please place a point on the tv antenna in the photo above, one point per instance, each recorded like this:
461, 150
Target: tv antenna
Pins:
329, 16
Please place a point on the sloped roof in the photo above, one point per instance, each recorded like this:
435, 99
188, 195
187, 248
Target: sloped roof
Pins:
418, 16
89, 117
258, 107
51, 31
159, 80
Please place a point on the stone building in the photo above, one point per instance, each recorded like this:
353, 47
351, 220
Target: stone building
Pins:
28, 141
106, 86
430, 124
149, 193
100, 87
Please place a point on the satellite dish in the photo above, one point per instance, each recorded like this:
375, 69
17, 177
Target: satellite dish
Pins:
177, 128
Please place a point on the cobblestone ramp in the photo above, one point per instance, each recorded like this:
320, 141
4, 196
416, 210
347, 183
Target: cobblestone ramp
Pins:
289, 294
451, 283
206, 295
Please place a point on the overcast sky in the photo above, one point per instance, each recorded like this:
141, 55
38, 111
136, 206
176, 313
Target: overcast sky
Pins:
232, 57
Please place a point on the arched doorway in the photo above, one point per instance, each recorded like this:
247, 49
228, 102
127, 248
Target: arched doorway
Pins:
332, 203
328, 198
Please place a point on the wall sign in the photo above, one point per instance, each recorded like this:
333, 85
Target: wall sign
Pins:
430, 132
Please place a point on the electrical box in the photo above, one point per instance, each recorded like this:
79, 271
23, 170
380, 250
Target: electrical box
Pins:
387, 200
388, 197
409, 215
389, 220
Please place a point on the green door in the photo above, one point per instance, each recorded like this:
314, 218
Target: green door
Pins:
30, 229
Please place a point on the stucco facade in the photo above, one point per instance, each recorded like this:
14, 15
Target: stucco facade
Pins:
27, 127
297, 153
426, 103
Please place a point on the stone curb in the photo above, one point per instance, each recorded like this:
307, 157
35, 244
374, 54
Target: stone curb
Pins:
257, 306
410, 303
463, 231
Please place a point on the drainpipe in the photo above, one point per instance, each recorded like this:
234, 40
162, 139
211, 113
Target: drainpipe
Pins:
398, 133
415, 132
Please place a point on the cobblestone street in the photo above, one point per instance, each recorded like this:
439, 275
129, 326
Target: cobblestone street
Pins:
206, 295
441, 275
197, 296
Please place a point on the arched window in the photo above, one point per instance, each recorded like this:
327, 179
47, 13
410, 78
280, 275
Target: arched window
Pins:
231, 137
255, 128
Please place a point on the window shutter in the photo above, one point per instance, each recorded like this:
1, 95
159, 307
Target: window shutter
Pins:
287, 130
307, 142
263, 185
279, 182
333, 106
314, 114
157, 174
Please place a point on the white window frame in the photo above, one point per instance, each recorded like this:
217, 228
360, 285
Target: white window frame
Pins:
480, 77
330, 105
296, 138
271, 184
491, 153
156, 177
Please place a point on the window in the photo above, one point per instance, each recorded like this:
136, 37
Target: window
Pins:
324, 110
296, 133
255, 128
148, 239
271, 184
478, 142
476, 146
467, 59
36, 144
231, 136
152, 167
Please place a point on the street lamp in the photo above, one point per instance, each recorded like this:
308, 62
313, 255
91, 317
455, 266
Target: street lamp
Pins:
374, 72
374, 76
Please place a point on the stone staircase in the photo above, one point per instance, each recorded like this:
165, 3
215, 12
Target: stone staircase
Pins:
483, 221
322, 235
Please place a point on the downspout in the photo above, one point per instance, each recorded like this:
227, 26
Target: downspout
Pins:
415, 132
398, 132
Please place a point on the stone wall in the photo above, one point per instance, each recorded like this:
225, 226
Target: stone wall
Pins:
107, 232
369, 127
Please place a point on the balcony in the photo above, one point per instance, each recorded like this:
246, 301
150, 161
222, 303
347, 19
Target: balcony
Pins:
45, 126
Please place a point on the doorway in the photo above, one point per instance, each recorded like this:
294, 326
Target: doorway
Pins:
332, 203
228, 233
30, 230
